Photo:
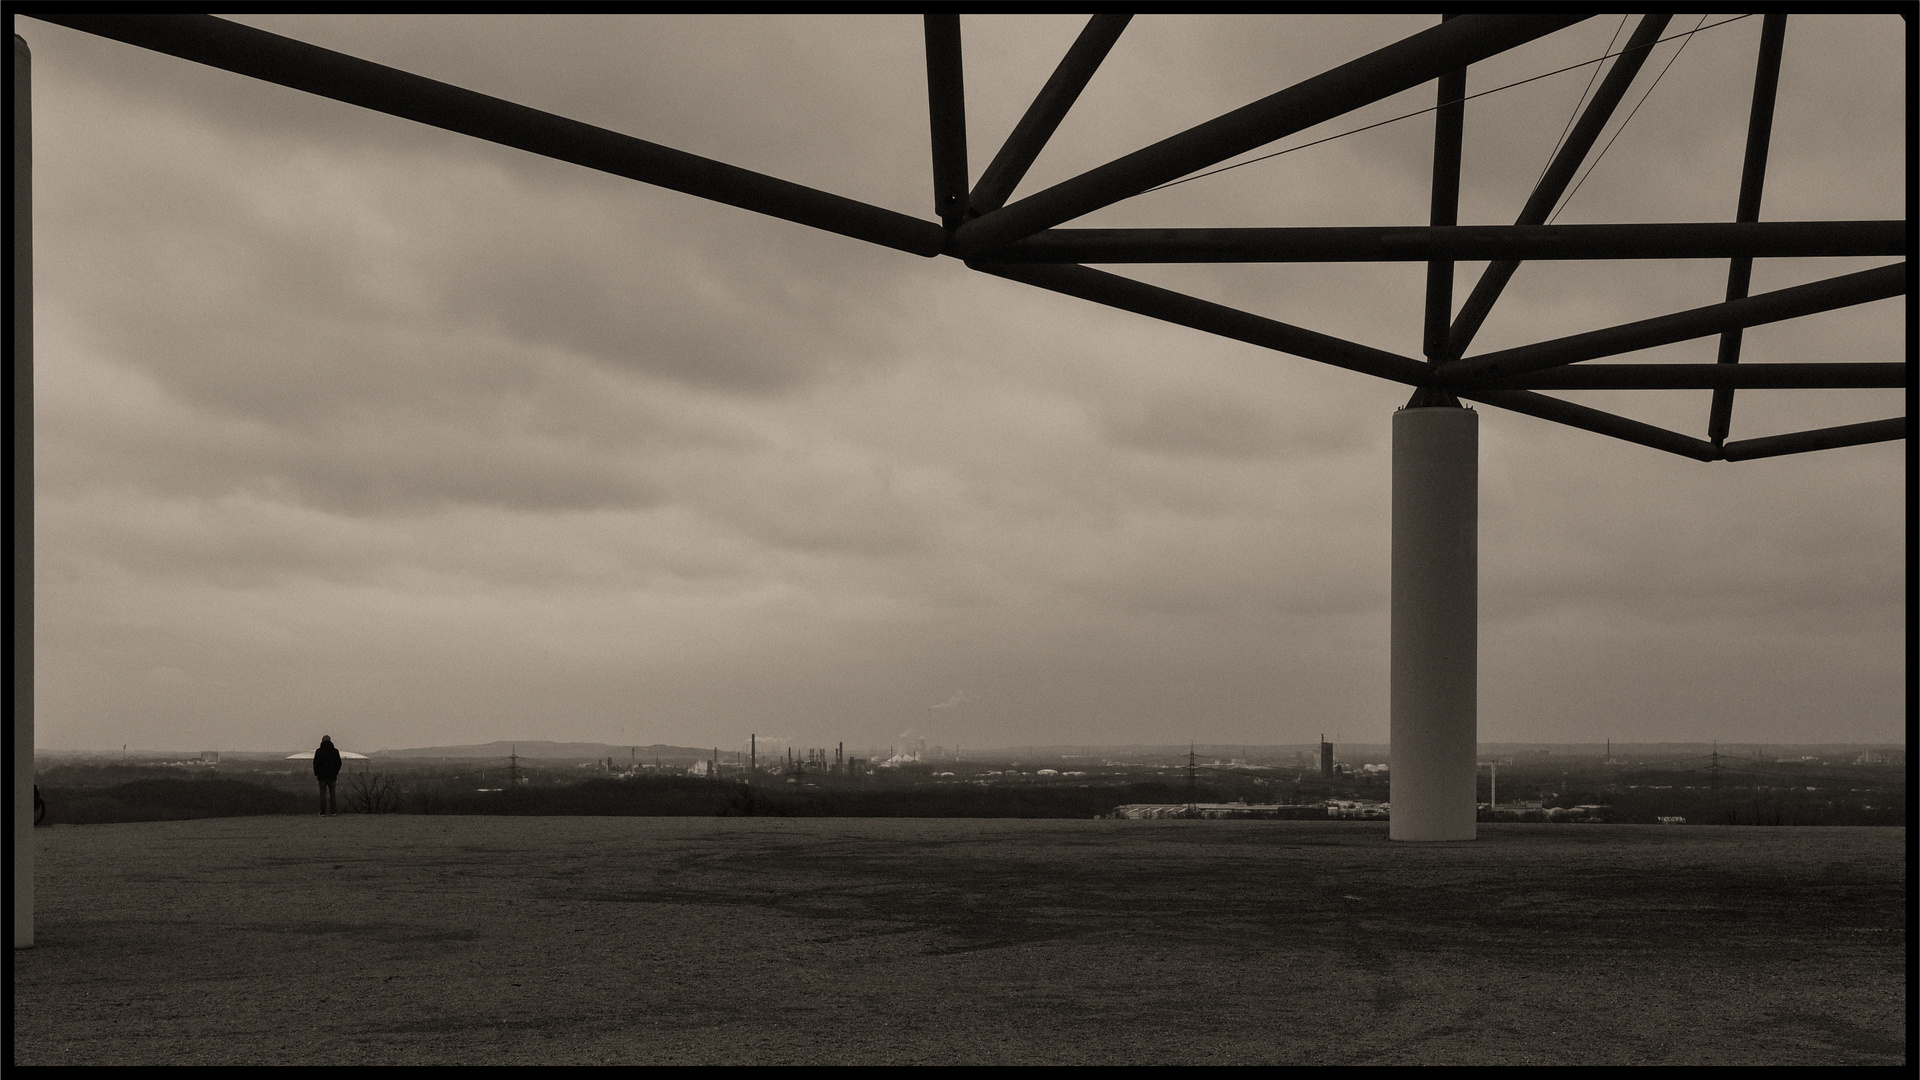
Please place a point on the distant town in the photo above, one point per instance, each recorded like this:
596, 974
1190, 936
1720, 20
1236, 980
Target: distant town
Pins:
1661, 783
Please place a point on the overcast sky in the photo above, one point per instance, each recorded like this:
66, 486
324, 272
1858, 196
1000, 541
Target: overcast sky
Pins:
347, 425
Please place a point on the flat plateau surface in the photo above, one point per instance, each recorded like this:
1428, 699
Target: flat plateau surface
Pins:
602, 940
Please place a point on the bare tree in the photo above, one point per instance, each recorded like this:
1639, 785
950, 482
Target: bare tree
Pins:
373, 793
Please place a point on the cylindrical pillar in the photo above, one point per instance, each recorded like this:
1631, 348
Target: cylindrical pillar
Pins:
1436, 504
20, 379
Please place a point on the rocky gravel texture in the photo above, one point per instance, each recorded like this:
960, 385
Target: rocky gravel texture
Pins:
495, 940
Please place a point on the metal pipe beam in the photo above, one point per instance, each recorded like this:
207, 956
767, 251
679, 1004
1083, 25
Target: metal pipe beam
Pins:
1472, 243
947, 116
1169, 306
1049, 107
1553, 183
286, 62
1753, 173
1594, 420
1836, 292
1801, 442
19, 507
1449, 127
1709, 376
1383, 73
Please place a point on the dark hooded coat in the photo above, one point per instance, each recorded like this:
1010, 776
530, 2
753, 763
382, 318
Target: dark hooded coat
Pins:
326, 761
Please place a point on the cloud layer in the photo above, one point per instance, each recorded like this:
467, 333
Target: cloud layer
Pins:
349, 425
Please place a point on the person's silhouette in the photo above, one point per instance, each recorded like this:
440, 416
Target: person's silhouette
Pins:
326, 769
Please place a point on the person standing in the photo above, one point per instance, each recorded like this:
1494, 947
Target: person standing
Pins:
326, 769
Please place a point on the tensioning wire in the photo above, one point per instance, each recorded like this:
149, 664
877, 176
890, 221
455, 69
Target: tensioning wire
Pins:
1575, 114
1623, 125
1431, 108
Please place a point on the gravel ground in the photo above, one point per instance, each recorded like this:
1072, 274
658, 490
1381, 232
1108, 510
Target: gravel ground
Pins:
496, 940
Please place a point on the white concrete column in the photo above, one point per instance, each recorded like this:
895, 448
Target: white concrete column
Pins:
1436, 581
20, 377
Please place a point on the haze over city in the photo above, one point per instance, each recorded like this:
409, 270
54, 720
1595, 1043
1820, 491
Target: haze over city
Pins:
353, 426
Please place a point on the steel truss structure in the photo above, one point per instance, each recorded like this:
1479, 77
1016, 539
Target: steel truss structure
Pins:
1021, 240
1435, 575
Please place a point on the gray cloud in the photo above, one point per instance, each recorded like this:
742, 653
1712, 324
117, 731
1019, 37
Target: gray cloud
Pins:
373, 429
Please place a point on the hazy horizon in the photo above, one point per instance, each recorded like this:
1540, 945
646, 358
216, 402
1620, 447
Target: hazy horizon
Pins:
1209, 749
348, 425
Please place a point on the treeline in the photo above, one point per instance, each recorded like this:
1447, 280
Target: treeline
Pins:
1749, 807
672, 796
170, 799
176, 798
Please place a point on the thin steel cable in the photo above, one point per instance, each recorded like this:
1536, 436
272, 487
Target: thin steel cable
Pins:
1575, 115
1431, 108
1564, 203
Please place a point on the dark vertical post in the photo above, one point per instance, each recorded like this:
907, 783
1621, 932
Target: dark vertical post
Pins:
1449, 126
947, 116
1753, 174
20, 379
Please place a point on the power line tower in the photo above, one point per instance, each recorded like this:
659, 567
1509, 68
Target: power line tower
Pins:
1714, 767
513, 765
1192, 804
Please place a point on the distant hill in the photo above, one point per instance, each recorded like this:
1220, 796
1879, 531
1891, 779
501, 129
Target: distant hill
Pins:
534, 748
